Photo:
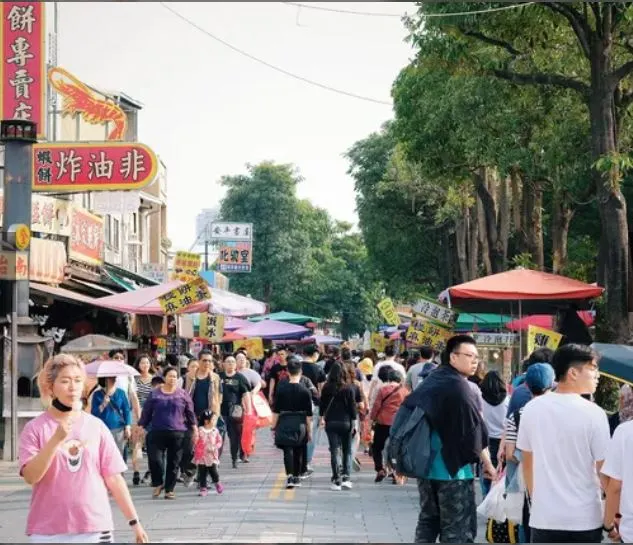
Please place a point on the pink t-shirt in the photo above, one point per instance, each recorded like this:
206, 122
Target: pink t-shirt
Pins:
71, 497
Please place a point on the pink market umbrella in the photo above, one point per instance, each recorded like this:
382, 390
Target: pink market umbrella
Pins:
110, 368
546, 321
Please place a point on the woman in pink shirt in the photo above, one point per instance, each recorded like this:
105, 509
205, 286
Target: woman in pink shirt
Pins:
71, 460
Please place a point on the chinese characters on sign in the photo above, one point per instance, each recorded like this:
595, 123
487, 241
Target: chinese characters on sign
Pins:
539, 337
14, 266
421, 333
184, 296
231, 231
86, 237
48, 215
254, 347
388, 311
235, 257
436, 312
211, 327
378, 342
495, 339
154, 271
186, 266
23, 72
104, 166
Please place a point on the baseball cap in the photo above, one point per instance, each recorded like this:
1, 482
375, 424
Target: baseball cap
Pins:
539, 377
366, 366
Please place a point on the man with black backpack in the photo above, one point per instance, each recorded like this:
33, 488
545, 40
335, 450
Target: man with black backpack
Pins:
437, 436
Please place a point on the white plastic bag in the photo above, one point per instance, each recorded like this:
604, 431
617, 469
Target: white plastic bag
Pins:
514, 497
493, 506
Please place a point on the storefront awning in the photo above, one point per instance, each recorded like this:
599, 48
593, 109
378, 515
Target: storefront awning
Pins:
125, 279
62, 293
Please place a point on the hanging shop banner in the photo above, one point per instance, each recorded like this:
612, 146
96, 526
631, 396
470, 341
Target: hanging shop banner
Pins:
154, 271
388, 312
47, 261
421, 333
92, 166
14, 265
436, 312
86, 237
186, 266
48, 215
379, 342
235, 257
539, 337
498, 340
23, 38
211, 327
184, 296
225, 230
254, 347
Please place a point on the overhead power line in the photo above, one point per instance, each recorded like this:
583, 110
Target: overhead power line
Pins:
382, 14
272, 66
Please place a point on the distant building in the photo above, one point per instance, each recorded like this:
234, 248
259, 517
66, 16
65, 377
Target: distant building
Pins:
203, 220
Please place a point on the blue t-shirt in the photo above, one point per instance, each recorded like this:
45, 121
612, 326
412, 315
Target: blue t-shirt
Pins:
519, 399
438, 470
117, 413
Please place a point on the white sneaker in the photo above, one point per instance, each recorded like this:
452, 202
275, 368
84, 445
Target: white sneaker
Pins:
336, 487
347, 484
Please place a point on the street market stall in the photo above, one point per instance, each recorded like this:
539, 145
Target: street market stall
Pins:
616, 361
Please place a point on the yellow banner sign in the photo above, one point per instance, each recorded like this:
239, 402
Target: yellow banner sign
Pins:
378, 342
184, 296
254, 347
388, 311
422, 333
211, 327
539, 337
186, 266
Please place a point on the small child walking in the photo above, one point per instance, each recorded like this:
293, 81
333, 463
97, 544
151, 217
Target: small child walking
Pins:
207, 452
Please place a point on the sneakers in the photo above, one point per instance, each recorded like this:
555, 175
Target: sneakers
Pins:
307, 474
203, 492
336, 486
146, 477
297, 481
347, 484
380, 476
187, 480
290, 482
136, 479
234, 464
219, 488
356, 464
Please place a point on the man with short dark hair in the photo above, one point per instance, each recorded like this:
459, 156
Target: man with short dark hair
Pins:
459, 439
292, 421
424, 357
563, 440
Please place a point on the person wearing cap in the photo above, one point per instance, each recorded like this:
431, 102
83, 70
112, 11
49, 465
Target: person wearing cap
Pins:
563, 439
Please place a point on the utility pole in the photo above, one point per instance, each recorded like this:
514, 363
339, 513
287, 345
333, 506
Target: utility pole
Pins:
18, 137
206, 254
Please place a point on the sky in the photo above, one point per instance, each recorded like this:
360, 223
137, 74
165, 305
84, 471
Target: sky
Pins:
209, 110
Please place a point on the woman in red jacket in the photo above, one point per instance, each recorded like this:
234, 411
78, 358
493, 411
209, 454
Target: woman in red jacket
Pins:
388, 401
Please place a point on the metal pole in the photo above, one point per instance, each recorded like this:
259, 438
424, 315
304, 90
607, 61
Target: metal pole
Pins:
206, 255
14, 373
54, 62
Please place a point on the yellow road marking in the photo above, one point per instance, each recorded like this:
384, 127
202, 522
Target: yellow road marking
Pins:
277, 487
289, 494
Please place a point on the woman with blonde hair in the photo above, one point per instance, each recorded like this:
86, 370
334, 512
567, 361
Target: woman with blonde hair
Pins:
71, 460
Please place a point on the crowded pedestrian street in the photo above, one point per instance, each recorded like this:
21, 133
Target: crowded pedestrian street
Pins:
255, 507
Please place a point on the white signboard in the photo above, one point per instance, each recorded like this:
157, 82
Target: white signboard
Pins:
435, 311
496, 339
223, 230
154, 271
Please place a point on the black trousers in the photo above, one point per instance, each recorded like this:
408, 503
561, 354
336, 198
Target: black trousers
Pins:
381, 434
566, 536
186, 463
448, 510
203, 471
294, 460
159, 443
234, 431
339, 436
493, 448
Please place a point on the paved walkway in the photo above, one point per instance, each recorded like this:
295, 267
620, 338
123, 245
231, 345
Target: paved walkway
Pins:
256, 507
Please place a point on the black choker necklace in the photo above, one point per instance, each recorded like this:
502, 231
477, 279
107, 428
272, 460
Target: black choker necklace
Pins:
60, 406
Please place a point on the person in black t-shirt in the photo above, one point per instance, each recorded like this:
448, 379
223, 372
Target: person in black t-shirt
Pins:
292, 421
316, 374
278, 372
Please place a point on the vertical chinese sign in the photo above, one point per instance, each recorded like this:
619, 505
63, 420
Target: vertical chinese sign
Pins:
23, 67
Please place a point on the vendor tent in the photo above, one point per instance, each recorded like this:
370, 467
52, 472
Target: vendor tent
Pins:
145, 301
546, 321
288, 317
272, 329
96, 344
616, 361
521, 291
481, 321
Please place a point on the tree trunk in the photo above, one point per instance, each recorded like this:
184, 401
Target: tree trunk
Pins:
482, 236
461, 243
504, 220
611, 203
516, 202
535, 233
473, 244
490, 217
562, 215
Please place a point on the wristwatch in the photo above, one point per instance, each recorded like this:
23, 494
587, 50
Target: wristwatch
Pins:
608, 530
133, 522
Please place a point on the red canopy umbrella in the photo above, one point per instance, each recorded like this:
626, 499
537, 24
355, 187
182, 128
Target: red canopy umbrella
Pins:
546, 321
231, 336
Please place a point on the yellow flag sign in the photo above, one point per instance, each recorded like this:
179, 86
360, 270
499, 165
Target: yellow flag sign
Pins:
388, 311
422, 333
184, 296
539, 337
254, 347
378, 342
211, 326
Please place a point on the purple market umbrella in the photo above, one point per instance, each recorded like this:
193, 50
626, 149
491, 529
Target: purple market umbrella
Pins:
272, 329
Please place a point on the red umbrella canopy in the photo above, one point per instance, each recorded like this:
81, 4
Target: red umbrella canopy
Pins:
546, 321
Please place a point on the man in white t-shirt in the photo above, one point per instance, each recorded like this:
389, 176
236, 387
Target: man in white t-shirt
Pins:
619, 469
564, 439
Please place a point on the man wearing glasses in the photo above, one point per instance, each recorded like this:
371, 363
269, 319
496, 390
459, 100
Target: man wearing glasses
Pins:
563, 439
